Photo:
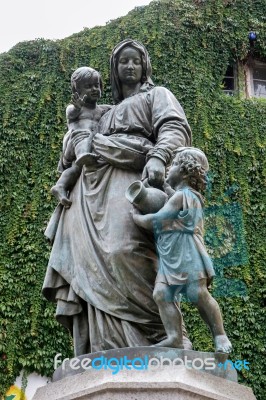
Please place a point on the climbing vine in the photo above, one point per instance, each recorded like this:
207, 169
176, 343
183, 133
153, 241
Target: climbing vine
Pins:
191, 43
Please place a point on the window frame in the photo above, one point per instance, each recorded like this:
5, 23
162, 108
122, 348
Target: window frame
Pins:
249, 71
233, 92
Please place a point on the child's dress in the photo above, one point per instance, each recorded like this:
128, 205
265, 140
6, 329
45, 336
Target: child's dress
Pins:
179, 239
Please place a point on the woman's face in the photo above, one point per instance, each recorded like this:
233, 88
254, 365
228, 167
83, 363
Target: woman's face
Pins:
129, 66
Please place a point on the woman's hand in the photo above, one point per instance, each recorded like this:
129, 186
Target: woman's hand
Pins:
75, 137
154, 170
78, 135
69, 154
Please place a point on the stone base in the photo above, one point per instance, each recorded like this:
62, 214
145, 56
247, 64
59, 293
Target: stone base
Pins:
166, 383
196, 359
175, 382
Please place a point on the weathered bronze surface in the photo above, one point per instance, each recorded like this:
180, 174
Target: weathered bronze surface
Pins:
83, 115
145, 197
184, 264
102, 267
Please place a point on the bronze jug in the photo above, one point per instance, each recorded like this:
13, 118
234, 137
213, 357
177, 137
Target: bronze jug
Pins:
146, 198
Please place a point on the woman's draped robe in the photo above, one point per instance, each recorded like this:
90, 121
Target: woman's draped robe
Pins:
102, 267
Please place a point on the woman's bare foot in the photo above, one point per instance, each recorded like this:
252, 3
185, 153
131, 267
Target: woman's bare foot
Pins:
222, 344
60, 193
170, 342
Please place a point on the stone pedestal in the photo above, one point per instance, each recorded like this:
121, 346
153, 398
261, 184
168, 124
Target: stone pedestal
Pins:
157, 382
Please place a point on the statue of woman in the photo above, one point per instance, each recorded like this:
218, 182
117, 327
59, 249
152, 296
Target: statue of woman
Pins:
102, 267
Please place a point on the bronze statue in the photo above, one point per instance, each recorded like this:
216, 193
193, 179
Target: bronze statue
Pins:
102, 267
185, 266
83, 116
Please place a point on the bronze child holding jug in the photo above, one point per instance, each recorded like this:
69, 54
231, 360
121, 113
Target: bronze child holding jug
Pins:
184, 264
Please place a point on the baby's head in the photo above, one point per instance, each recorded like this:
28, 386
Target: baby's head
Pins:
87, 81
191, 165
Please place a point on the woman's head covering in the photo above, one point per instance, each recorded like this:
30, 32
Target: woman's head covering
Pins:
146, 81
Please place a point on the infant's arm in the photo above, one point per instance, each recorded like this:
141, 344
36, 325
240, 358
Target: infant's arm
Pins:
105, 108
72, 112
173, 205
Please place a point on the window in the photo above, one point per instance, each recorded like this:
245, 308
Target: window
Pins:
259, 79
229, 81
256, 78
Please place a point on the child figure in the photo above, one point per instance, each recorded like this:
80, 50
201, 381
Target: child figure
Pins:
83, 116
184, 265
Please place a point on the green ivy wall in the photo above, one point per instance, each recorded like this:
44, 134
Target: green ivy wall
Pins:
190, 44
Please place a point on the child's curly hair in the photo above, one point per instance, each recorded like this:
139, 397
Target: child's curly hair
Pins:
80, 74
194, 164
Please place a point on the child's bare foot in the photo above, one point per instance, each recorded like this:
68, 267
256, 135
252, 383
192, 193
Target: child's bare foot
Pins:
60, 193
222, 344
173, 342
87, 159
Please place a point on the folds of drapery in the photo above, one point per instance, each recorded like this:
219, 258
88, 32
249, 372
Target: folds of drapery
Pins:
102, 267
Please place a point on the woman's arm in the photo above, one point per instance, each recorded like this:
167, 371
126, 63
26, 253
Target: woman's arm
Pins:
169, 123
171, 130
